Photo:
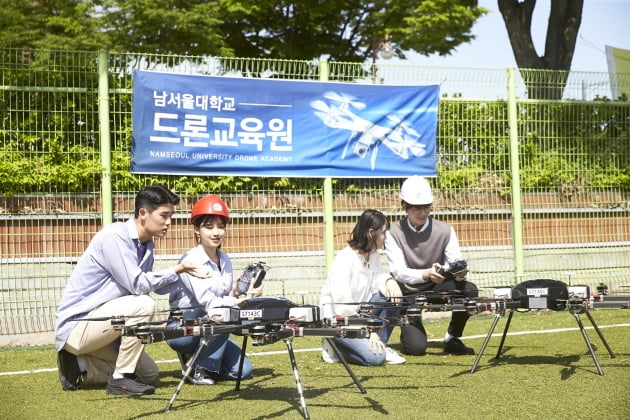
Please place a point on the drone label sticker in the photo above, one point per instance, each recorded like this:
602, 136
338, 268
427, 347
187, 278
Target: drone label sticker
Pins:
206, 125
538, 292
251, 313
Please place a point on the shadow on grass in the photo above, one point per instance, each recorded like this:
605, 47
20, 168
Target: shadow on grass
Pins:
569, 362
257, 389
173, 377
249, 395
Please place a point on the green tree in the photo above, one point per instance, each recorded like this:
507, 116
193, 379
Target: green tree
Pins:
305, 29
345, 30
66, 24
187, 27
565, 17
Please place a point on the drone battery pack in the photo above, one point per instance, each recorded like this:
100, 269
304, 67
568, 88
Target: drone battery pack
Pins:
225, 314
580, 292
307, 314
266, 309
542, 294
502, 293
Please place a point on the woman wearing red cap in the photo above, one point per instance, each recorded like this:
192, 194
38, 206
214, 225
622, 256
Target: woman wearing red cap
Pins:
220, 359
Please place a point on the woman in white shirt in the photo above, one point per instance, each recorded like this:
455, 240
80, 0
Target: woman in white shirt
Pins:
356, 275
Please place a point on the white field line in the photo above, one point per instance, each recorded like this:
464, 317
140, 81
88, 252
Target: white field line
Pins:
271, 353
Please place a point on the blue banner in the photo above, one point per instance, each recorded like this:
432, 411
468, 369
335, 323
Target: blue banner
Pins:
203, 125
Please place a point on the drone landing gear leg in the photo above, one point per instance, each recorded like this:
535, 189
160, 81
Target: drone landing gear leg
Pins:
345, 364
588, 343
190, 364
485, 342
507, 325
296, 374
240, 364
576, 315
599, 333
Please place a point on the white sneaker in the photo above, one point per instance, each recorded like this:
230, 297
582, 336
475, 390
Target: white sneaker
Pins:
198, 376
328, 354
393, 358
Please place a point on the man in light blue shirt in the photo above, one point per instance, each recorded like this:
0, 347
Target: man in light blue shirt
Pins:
114, 277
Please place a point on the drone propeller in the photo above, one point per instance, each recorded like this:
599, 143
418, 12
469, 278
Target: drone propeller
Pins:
379, 304
321, 106
111, 317
332, 117
344, 99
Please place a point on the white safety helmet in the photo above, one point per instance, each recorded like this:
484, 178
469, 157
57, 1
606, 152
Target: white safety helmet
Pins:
416, 191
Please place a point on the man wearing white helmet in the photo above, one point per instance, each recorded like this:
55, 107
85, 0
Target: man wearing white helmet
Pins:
416, 247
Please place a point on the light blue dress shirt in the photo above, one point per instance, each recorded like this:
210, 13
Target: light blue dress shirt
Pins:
108, 269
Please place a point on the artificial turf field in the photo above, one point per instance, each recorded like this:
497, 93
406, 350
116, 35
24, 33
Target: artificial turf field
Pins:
545, 372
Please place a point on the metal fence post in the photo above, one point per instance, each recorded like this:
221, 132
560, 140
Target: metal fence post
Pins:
517, 213
104, 138
329, 238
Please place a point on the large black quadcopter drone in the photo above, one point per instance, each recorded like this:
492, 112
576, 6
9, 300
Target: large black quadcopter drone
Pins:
268, 320
265, 321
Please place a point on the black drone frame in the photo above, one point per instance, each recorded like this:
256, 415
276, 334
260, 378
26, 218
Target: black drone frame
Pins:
574, 305
287, 334
263, 332
413, 306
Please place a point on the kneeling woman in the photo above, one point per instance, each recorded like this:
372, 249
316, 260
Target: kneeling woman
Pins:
357, 275
221, 358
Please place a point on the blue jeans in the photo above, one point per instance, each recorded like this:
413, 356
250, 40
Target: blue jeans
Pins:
357, 350
220, 357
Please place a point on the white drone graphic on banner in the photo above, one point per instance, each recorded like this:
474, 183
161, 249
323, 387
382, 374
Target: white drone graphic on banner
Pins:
401, 138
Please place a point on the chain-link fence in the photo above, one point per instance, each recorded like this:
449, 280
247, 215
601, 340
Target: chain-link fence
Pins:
534, 188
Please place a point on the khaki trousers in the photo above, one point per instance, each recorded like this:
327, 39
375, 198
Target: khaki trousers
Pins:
98, 342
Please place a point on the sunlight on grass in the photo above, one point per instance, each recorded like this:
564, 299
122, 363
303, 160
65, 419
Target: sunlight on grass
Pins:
546, 375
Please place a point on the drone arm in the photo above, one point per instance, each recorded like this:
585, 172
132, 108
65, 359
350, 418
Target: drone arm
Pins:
150, 334
334, 332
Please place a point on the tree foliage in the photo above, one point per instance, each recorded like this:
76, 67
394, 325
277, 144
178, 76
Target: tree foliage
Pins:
346, 30
565, 17
32, 24
304, 29
187, 27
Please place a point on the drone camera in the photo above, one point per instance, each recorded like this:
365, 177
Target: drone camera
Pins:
258, 334
414, 311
